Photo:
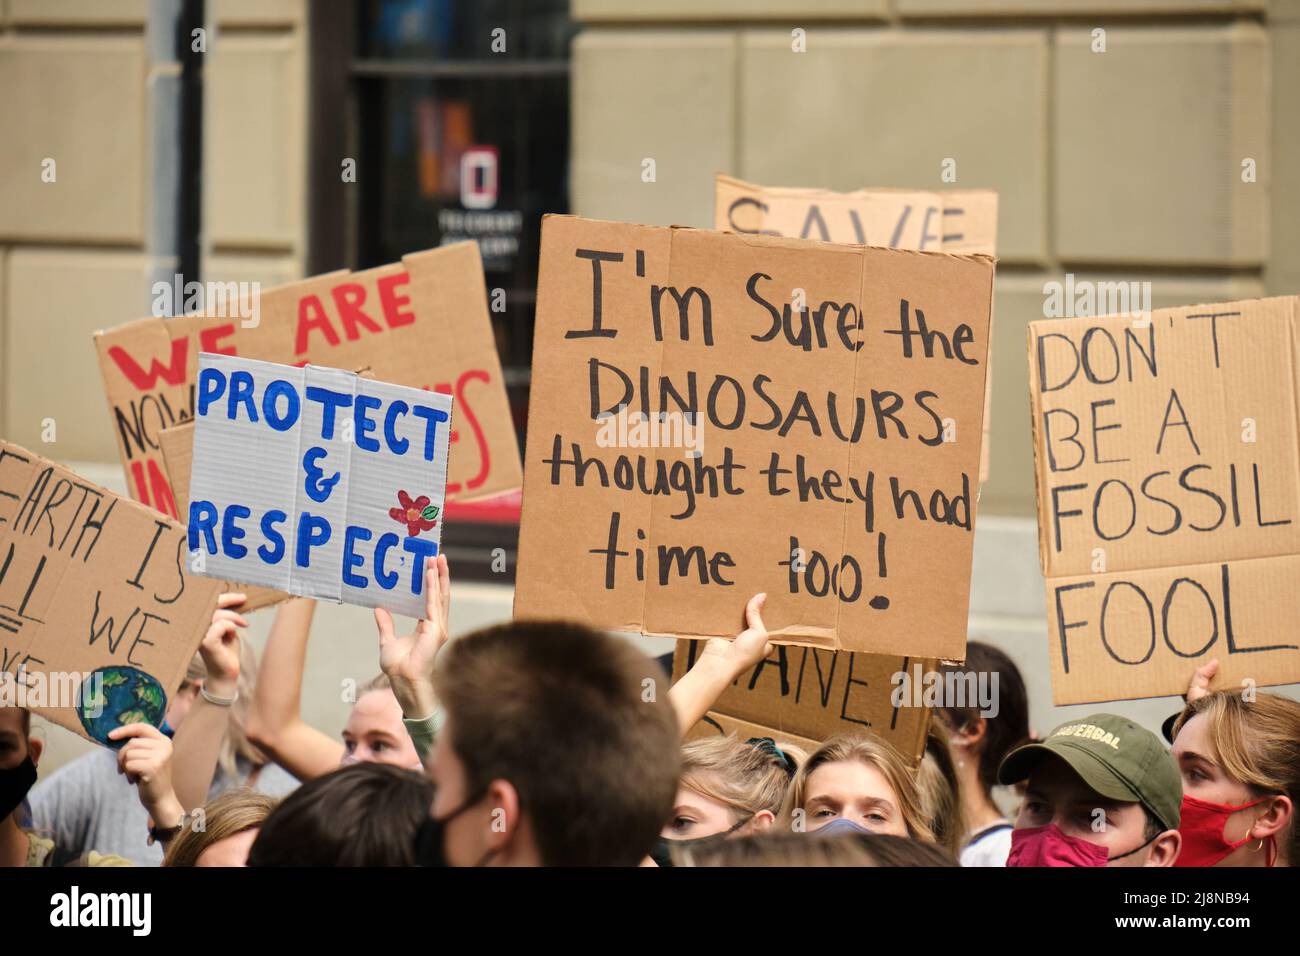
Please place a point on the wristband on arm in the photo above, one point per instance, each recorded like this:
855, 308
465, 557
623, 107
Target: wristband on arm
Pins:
424, 731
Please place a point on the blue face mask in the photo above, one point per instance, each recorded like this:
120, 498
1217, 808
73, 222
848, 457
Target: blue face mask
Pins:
840, 826
167, 729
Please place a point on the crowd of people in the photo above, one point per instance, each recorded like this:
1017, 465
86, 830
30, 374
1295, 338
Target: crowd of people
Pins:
548, 743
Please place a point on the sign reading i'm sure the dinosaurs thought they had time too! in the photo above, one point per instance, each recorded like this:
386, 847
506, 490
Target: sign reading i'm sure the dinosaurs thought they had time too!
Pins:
715, 415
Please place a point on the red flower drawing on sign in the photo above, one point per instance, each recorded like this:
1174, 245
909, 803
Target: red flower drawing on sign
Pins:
418, 515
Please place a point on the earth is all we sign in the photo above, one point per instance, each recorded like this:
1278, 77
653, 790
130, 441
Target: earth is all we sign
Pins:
317, 481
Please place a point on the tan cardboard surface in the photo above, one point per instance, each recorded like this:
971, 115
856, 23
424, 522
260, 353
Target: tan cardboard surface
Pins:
1168, 474
807, 695
422, 323
89, 579
718, 724
890, 502
954, 220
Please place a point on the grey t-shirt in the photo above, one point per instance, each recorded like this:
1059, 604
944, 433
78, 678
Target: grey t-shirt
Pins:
87, 805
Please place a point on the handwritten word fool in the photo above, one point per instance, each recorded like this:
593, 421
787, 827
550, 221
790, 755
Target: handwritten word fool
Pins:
328, 424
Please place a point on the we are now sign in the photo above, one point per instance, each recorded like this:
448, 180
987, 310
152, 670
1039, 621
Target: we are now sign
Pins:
317, 481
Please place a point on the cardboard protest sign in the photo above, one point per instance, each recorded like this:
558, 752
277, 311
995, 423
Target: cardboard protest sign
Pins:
957, 220
317, 481
1166, 456
805, 695
98, 617
715, 724
953, 220
693, 439
423, 323
177, 446
882, 217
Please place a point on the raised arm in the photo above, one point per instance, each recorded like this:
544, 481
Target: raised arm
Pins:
197, 745
275, 721
721, 662
408, 661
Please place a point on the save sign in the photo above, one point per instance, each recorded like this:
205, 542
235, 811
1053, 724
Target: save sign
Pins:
316, 481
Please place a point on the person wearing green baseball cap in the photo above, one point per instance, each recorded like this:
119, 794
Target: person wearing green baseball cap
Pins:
1102, 791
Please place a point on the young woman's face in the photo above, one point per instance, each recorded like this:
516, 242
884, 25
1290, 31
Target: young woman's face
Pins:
856, 791
695, 815
375, 733
232, 851
1206, 780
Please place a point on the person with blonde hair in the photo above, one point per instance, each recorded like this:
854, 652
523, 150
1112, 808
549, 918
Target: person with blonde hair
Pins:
728, 788
230, 824
856, 783
941, 792
1240, 766
394, 717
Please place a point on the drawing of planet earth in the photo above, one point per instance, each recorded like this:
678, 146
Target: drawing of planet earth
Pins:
113, 696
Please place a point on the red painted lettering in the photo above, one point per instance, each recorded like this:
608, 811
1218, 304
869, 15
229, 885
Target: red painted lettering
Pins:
157, 484
311, 316
349, 297
395, 313
210, 337
173, 374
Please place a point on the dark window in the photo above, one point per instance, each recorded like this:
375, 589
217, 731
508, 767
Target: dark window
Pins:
461, 131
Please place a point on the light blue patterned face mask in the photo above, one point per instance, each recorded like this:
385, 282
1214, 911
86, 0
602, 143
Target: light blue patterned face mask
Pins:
840, 826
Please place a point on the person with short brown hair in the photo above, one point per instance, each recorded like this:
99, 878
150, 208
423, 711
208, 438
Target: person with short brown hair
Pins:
364, 814
1101, 791
559, 748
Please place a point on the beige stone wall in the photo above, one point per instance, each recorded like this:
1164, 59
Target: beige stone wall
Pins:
1117, 165
255, 142
74, 253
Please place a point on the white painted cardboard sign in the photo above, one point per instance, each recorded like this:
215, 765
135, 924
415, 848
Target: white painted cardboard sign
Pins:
316, 481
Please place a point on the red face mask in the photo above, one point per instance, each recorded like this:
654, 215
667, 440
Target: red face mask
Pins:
1202, 825
1048, 846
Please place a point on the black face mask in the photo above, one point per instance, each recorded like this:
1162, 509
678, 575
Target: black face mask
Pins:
431, 838
662, 853
15, 782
